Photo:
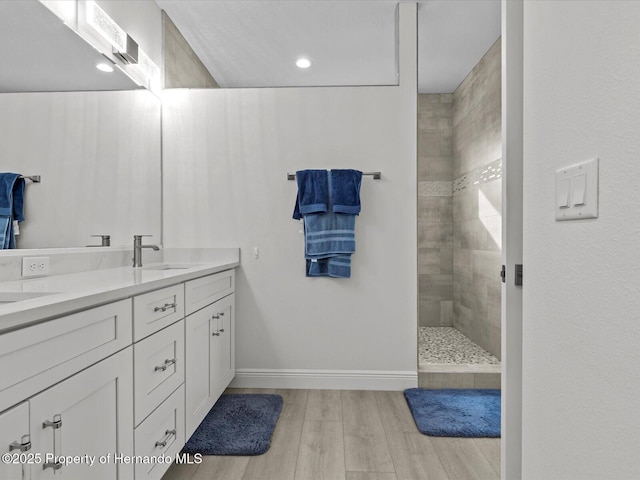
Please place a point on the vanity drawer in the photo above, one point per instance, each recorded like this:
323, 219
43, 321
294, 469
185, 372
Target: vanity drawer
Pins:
158, 368
204, 291
36, 357
158, 309
162, 433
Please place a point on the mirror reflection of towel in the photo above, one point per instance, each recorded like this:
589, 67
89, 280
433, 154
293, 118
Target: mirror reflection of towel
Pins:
11, 207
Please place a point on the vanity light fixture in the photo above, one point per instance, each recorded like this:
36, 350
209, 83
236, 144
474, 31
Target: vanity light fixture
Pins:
303, 63
145, 72
106, 27
124, 47
104, 67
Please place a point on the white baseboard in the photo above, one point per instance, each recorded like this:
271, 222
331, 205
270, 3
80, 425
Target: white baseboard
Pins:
325, 379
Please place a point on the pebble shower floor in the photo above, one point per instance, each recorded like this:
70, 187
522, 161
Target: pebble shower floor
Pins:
447, 346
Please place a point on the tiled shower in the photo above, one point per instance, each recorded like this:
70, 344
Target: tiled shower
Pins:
459, 230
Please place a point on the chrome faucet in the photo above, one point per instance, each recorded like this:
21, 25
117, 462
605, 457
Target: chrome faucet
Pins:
105, 242
137, 249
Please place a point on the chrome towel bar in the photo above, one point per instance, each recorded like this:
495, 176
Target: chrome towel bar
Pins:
375, 175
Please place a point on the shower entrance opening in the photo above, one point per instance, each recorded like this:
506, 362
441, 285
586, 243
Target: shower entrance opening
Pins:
460, 230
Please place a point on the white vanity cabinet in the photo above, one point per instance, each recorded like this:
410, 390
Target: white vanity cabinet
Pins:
132, 378
88, 415
40, 366
209, 343
15, 440
159, 367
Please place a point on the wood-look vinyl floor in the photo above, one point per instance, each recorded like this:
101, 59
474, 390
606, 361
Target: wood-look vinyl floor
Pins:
350, 435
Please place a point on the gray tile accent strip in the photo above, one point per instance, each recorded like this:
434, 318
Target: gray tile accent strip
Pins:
435, 189
484, 174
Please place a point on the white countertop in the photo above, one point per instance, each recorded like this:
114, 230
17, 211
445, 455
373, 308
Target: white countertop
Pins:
78, 291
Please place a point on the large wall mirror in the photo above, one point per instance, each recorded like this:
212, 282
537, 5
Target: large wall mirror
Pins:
94, 138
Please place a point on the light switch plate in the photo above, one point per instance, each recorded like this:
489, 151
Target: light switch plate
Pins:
582, 180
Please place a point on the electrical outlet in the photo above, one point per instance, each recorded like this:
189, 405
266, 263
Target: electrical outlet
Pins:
35, 266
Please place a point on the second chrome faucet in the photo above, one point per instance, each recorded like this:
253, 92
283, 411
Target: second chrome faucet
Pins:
137, 249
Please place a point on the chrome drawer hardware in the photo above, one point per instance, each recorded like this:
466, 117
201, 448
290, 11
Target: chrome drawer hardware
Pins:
54, 465
24, 445
168, 434
55, 423
165, 307
167, 364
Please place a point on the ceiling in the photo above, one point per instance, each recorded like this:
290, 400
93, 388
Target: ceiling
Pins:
255, 43
40, 53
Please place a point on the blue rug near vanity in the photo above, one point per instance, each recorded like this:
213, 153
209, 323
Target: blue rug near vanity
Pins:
238, 424
470, 413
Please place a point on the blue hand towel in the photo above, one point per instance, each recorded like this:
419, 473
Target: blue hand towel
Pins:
345, 191
313, 192
11, 207
338, 267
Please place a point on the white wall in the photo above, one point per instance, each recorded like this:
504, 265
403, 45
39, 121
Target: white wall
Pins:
226, 154
98, 154
581, 295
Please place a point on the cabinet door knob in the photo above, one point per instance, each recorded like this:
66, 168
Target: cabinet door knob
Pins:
222, 329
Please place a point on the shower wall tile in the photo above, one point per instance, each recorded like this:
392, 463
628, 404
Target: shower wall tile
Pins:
435, 167
477, 203
477, 114
435, 209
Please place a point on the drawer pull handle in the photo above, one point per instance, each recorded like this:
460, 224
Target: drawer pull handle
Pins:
216, 334
165, 307
215, 317
222, 330
54, 465
167, 364
168, 434
55, 423
24, 445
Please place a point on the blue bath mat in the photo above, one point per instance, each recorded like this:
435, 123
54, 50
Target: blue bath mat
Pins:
238, 424
455, 412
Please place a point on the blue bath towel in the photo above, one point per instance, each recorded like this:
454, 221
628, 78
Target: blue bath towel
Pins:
11, 207
345, 191
313, 192
329, 234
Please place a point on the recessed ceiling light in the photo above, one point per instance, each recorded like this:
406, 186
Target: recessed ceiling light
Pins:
303, 63
104, 67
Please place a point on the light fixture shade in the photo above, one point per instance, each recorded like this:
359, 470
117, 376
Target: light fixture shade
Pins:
106, 27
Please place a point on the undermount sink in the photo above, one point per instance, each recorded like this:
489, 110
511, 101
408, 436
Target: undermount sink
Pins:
10, 297
169, 266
